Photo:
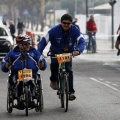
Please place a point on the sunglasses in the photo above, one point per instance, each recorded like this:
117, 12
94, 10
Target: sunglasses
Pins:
66, 23
26, 44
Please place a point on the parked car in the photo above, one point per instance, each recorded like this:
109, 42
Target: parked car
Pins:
6, 41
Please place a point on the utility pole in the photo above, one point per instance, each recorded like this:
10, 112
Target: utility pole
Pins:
112, 2
42, 2
75, 7
86, 11
86, 8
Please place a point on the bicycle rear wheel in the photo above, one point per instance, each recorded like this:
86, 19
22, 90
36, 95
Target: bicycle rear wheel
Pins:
26, 100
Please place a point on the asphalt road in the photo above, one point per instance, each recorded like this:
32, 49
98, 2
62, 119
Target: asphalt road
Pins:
97, 86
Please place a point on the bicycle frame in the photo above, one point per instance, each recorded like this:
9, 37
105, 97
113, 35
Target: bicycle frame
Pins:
63, 79
92, 42
61, 72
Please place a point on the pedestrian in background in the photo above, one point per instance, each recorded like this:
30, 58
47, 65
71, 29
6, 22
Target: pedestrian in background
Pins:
20, 26
4, 22
12, 29
118, 39
91, 31
74, 23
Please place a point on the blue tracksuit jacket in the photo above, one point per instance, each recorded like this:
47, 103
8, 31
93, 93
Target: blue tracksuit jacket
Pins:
30, 64
60, 40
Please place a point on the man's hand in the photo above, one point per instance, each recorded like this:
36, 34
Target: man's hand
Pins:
75, 53
7, 65
41, 64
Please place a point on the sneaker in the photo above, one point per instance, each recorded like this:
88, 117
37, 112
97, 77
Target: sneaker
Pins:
20, 105
32, 104
54, 85
72, 96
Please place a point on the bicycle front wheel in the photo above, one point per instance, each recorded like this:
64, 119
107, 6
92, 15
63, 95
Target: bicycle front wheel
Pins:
65, 93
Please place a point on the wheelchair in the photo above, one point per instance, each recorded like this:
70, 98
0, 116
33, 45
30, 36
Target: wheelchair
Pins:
26, 97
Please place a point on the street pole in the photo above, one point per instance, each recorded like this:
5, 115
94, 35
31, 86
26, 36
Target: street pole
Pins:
86, 12
75, 7
112, 2
86, 8
112, 26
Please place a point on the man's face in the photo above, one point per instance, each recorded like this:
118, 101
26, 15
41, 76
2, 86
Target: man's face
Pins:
66, 24
24, 46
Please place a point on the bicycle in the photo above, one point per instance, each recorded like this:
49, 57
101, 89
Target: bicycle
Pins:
63, 78
91, 46
25, 78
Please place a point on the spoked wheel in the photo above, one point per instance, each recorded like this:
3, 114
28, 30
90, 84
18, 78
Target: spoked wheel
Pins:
9, 101
26, 100
65, 93
40, 104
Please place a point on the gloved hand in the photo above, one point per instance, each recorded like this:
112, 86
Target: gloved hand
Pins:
76, 53
7, 65
41, 64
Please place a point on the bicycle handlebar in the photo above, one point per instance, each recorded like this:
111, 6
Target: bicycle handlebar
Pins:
53, 55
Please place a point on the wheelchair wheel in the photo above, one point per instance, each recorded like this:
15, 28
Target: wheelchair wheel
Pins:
9, 101
26, 100
40, 104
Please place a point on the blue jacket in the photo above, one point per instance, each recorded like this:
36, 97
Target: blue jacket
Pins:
30, 64
60, 40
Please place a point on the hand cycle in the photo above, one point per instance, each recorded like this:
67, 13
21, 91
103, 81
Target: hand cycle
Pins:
25, 77
63, 78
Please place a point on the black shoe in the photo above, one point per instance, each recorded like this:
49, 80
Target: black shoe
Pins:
72, 97
20, 105
54, 85
32, 104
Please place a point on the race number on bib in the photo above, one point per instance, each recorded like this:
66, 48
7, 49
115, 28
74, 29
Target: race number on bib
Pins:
25, 74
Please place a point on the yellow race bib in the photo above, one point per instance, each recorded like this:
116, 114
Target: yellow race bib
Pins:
25, 74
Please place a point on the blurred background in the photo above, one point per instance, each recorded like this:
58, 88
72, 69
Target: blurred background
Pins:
41, 15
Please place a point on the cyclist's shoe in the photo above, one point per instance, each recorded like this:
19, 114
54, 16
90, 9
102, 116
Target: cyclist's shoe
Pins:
54, 85
32, 104
20, 105
72, 96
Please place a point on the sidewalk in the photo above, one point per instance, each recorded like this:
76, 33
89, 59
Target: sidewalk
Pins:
101, 56
104, 53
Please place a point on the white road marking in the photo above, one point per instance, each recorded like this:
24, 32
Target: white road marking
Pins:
107, 82
115, 84
104, 84
100, 78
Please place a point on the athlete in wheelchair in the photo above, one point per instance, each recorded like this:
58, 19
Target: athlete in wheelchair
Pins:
23, 63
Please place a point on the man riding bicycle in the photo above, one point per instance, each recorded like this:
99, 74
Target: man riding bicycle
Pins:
62, 38
27, 58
